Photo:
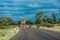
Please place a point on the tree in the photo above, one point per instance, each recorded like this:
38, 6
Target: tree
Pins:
49, 20
39, 16
1, 23
28, 22
10, 21
54, 17
19, 22
59, 21
45, 18
5, 22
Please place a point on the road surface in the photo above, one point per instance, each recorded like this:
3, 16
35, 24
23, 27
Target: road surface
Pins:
36, 34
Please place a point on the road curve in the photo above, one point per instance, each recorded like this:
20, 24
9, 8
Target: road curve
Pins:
36, 34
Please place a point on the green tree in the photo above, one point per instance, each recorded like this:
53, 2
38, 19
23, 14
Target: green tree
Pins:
39, 17
19, 22
1, 23
49, 20
45, 18
10, 21
5, 22
54, 17
28, 22
59, 21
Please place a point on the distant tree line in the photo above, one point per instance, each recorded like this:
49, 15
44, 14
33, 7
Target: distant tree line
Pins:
6, 22
44, 20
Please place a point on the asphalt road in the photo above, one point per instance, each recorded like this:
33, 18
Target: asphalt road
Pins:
36, 34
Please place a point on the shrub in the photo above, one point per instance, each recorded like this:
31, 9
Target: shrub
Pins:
3, 33
5, 27
5, 22
2, 27
50, 25
58, 24
44, 24
38, 25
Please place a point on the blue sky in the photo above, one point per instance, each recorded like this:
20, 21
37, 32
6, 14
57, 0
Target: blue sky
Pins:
17, 9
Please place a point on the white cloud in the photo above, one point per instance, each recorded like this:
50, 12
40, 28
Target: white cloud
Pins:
33, 5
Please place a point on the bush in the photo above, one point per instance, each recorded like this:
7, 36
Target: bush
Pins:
58, 24
5, 27
44, 24
50, 25
38, 25
2, 27
3, 33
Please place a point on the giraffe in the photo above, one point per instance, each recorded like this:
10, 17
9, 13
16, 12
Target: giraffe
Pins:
23, 22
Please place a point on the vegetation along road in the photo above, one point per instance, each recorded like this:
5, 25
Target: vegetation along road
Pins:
36, 34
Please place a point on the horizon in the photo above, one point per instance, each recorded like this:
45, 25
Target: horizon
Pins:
17, 9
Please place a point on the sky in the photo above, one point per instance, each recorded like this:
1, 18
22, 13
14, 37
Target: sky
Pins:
18, 9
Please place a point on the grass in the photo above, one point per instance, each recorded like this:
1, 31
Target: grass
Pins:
55, 28
6, 34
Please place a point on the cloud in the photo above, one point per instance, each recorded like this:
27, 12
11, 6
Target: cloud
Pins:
33, 5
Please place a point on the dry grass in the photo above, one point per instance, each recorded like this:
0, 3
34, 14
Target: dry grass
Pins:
55, 28
6, 34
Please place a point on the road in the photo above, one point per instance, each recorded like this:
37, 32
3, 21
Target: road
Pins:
36, 34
